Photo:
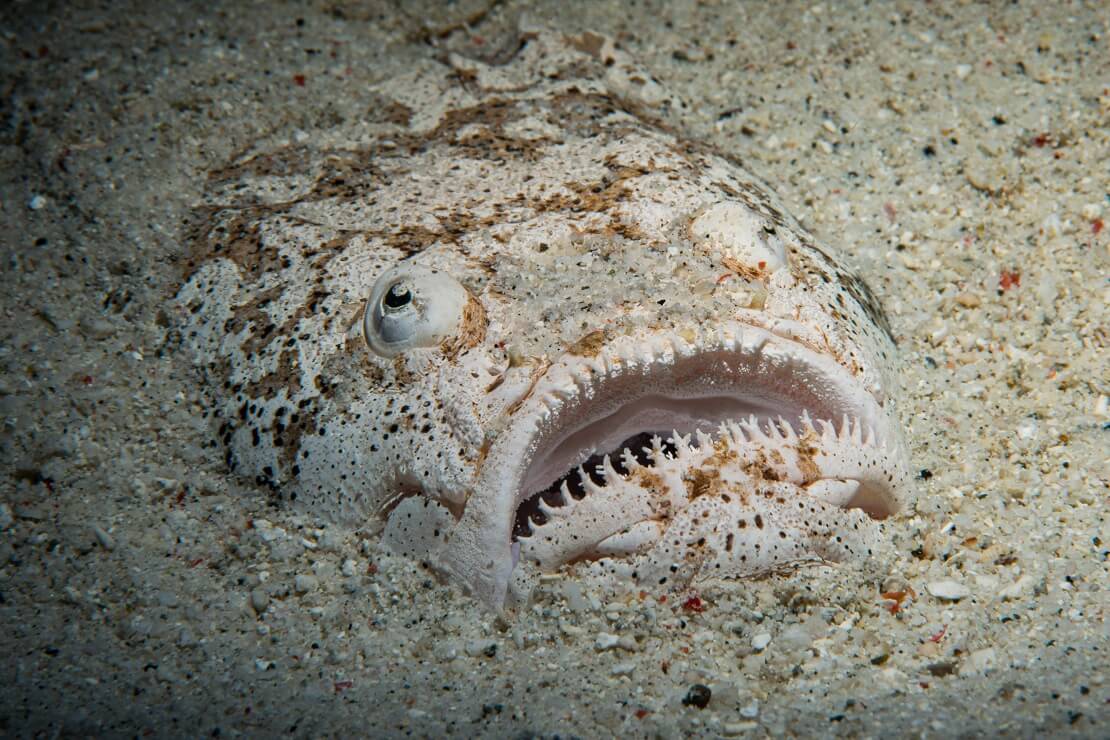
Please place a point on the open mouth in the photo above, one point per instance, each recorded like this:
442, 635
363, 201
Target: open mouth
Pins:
635, 403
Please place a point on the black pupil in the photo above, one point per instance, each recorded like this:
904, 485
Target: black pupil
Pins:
397, 297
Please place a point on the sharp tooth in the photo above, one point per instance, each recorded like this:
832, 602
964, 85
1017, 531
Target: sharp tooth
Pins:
856, 430
591, 487
828, 431
787, 430
609, 471
681, 443
705, 441
845, 428
736, 432
807, 423
548, 511
630, 462
751, 426
869, 437
564, 494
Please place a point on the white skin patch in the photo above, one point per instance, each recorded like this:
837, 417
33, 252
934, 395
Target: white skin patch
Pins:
519, 326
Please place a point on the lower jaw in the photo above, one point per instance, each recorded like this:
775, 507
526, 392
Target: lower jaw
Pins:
623, 506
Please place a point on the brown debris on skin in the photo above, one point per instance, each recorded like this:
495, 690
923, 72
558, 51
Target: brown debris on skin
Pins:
471, 332
745, 271
702, 482
807, 448
589, 344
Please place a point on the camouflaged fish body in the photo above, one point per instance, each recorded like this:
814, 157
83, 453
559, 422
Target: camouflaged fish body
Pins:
522, 326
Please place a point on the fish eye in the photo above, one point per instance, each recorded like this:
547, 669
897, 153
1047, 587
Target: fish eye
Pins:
397, 297
412, 306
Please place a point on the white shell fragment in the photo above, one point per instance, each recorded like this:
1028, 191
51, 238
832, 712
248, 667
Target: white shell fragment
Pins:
518, 326
948, 590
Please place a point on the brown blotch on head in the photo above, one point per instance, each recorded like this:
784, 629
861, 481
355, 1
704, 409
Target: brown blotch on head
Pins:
807, 461
588, 43
590, 344
472, 329
401, 371
286, 376
747, 272
723, 454
702, 482
386, 110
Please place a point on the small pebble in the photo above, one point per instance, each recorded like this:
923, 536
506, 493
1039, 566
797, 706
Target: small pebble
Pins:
259, 600
795, 637
760, 641
698, 696
570, 630
948, 590
750, 710
97, 328
733, 729
30, 513
979, 661
606, 641
622, 669
969, 300
106, 541
349, 567
446, 651
6, 517
486, 648
37, 203
302, 584
1017, 589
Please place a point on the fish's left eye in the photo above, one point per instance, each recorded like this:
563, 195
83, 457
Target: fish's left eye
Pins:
412, 306
397, 297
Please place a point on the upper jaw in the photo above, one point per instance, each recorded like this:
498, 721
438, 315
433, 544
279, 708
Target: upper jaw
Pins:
596, 396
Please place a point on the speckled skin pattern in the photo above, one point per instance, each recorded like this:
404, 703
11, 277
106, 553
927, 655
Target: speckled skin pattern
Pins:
614, 282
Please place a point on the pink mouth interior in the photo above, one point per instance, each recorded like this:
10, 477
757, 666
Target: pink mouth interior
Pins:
693, 393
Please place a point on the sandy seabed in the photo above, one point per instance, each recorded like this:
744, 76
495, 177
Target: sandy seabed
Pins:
957, 152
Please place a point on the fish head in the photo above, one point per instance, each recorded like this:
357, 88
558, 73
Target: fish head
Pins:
528, 326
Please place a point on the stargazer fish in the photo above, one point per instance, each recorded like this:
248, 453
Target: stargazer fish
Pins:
515, 323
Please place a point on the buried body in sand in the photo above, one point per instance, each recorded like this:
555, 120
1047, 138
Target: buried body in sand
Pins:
526, 327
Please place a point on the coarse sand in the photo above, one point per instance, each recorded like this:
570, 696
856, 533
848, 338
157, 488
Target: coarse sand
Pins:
958, 153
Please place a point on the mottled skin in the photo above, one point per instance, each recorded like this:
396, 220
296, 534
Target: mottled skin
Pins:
594, 246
